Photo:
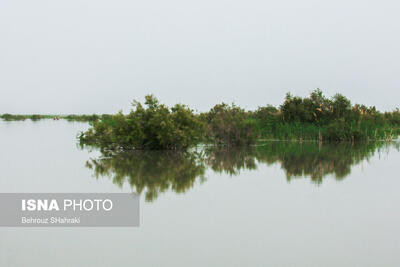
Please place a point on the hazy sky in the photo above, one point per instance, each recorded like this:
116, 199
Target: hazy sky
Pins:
95, 56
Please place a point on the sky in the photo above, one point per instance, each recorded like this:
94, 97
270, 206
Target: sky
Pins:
96, 56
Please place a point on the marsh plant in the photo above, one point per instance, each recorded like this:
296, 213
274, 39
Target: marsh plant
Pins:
325, 119
155, 126
229, 125
149, 126
37, 117
317, 118
11, 117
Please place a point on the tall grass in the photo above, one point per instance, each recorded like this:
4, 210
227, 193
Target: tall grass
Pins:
319, 118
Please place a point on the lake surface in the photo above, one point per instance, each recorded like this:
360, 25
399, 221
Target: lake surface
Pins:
277, 204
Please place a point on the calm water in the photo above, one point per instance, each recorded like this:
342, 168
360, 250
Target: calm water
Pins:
280, 204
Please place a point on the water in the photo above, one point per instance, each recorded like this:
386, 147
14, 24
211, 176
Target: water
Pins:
281, 204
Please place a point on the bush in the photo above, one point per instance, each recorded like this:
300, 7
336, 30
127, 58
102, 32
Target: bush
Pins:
230, 125
36, 117
82, 118
152, 127
10, 117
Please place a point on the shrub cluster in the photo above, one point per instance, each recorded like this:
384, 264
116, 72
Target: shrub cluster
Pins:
154, 126
11, 117
83, 118
315, 117
229, 125
36, 117
319, 118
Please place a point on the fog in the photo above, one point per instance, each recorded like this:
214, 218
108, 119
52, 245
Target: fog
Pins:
92, 56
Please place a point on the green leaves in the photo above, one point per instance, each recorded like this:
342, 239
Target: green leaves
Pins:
154, 126
230, 125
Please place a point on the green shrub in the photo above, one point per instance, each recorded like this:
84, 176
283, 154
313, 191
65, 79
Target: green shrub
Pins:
10, 117
36, 117
154, 126
230, 125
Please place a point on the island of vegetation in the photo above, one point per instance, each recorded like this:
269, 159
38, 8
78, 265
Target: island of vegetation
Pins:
313, 118
37, 117
153, 125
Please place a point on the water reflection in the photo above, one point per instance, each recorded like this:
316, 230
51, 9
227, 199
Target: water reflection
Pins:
154, 172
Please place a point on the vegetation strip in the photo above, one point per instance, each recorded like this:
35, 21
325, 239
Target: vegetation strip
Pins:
153, 125
314, 118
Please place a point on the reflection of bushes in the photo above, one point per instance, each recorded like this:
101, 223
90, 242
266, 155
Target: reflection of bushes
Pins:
316, 160
297, 159
230, 160
158, 171
155, 171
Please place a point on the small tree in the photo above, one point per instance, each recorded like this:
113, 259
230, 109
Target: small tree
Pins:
341, 106
230, 125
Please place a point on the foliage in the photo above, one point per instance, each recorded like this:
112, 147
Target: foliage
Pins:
154, 126
36, 117
230, 125
319, 118
11, 117
83, 118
